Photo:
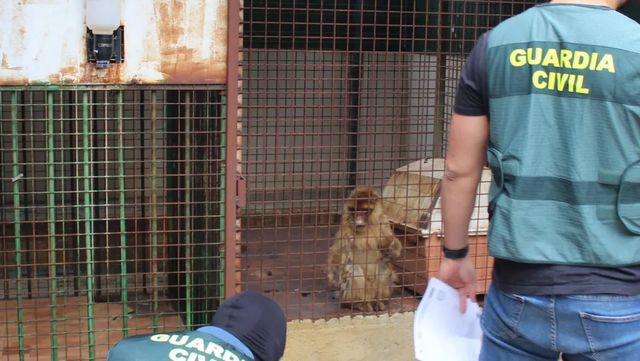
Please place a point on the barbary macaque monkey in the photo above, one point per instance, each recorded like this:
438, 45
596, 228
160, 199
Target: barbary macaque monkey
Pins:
360, 260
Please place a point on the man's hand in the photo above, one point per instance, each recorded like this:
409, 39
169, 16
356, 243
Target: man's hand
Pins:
466, 154
460, 274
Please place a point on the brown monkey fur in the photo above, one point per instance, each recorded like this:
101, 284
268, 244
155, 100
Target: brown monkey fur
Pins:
360, 260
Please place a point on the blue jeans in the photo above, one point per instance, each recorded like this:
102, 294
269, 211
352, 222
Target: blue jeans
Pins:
581, 327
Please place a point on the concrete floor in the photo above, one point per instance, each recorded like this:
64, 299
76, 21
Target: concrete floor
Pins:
351, 339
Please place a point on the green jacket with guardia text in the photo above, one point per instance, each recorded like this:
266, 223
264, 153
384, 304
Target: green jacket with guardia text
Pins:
564, 104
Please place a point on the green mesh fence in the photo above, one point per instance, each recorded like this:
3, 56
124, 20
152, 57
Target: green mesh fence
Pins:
111, 215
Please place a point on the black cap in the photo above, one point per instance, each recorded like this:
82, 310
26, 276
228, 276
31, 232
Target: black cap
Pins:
257, 321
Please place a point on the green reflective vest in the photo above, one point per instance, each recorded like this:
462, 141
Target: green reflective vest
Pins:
564, 101
186, 346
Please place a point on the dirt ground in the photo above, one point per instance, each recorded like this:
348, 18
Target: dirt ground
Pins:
351, 339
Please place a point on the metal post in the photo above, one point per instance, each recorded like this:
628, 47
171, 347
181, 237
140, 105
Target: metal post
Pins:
123, 223
3, 219
74, 157
154, 209
17, 220
62, 184
28, 189
188, 267
223, 190
99, 260
172, 211
143, 192
441, 85
233, 37
88, 222
51, 211
354, 76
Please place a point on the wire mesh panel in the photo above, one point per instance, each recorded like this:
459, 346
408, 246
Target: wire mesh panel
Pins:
111, 216
339, 94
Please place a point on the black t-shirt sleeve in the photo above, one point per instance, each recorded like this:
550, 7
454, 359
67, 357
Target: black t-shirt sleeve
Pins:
472, 96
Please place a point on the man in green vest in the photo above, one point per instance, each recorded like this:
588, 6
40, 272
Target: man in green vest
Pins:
550, 99
246, 327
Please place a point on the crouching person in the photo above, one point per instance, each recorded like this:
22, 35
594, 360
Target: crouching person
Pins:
246, 327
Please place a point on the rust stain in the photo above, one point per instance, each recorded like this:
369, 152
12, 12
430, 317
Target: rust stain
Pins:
180, 63
68, 74
88, 75
170, 20
18, 16
112, 75
14, 82
183, 28
221, 31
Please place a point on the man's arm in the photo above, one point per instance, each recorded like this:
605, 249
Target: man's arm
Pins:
466, 155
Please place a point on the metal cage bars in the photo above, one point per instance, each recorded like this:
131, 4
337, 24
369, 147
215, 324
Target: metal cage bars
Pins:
334, 95
109, 196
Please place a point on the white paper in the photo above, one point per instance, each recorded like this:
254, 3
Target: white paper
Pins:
440, 331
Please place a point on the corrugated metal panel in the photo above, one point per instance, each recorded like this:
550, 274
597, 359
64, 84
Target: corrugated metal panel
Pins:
166, 41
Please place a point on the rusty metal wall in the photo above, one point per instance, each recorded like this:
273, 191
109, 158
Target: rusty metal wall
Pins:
338, 94
165, 41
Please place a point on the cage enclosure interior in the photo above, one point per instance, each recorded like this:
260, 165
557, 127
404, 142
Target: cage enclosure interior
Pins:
338, 95
110, 212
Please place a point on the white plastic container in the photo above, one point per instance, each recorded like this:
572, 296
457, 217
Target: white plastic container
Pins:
103, 16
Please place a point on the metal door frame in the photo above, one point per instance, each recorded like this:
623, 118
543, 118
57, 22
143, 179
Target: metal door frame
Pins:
232, 200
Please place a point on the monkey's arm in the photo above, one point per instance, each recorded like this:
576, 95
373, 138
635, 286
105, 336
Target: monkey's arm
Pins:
333, 267
394, 249
390, 245
337, 257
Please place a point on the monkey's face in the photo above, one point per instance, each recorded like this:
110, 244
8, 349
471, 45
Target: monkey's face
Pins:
360, 217
361, 208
